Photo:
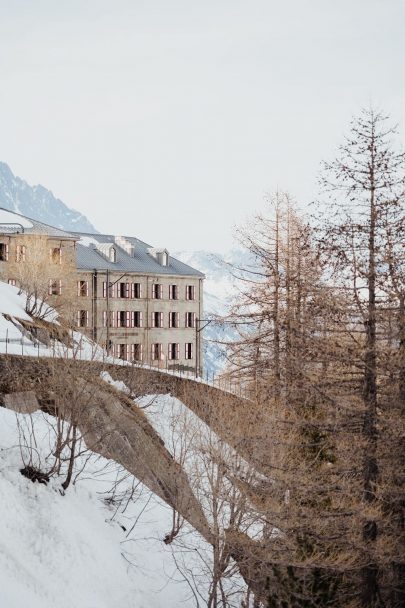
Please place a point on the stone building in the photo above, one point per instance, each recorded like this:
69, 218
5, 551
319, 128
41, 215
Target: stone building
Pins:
135, 300
139, 302
40, 259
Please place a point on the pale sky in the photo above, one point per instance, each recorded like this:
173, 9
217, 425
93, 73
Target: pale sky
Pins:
169, 120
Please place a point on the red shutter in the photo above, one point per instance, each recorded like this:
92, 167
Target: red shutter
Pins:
169, 351
170, 320
161, 324
60, 287
104, 289
6, 252
177, 351
140, 290
87, 318
140, 319
104, 318
132, 291
78, 288
78, 318
128, 319
160, 291
87, 288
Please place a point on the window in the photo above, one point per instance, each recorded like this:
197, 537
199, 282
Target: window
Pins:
112, 254
190, 319
20, 253
123, 290
174, 351
121, 351
188, 351
190, 292
157, 291
3, 252
173, 292
136, 291
157, 319
55, 254
173, 319
12, 282
82, 318
54, 287
157, 352
82, 288
123, 318
136, 352
136, 318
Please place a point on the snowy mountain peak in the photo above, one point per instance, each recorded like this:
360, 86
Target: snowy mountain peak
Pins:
39, 203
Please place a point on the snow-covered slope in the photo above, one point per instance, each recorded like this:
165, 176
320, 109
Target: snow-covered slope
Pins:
98, 546
17, 339
39, 203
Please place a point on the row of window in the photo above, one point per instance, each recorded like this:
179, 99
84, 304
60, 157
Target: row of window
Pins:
134, 291
55, 253
134, 352
54, 286
134, 318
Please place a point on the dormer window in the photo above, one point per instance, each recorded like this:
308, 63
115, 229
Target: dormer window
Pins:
108, 251
160, 255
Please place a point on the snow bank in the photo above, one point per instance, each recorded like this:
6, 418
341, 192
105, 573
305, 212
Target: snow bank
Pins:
63, 551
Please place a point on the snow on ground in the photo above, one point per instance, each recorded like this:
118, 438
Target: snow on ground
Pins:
70, 550
14, 340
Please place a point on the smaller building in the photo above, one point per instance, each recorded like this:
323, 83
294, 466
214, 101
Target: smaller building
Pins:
40, 259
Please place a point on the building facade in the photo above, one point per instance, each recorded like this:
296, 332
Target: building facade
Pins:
136, 301
40, 259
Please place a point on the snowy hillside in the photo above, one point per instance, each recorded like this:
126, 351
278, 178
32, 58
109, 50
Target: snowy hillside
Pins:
102, 542
98, 546
39, 203
19, 337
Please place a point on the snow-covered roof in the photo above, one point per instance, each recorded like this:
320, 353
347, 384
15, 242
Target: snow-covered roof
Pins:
15, 223
141, 260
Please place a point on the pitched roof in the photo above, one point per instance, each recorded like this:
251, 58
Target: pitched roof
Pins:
92, 248
15, 223
142, 262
